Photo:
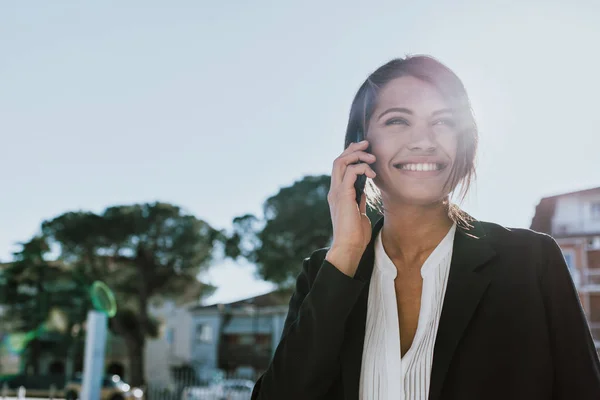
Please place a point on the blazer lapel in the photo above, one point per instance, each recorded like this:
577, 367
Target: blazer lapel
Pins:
352, 348
466, 285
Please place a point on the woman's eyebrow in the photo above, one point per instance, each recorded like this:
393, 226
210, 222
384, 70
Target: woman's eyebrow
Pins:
395, 109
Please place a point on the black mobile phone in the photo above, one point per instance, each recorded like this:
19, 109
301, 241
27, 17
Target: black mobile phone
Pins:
361, 180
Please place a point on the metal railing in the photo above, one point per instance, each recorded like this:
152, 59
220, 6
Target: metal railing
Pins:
589, 280
227, 387
183, 387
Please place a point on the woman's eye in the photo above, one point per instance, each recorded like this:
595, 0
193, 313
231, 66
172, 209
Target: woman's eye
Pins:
397, 121
445, 122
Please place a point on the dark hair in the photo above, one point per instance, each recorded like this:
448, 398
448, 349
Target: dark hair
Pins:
429, 70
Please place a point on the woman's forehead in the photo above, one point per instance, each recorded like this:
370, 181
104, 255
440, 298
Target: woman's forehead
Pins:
412, 93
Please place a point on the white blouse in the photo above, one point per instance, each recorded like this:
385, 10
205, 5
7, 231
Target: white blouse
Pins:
385, 375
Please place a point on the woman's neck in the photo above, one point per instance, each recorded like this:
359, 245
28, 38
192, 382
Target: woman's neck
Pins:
410, 231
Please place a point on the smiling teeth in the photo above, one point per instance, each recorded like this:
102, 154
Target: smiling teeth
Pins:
421, 167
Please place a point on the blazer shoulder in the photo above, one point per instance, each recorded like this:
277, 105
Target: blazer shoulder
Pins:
520, 242
499, 233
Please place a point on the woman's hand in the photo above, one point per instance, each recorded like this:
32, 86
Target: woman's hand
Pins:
351, 226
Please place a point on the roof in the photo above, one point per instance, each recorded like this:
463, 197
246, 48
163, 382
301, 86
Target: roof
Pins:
578, 192
544, 211
279, 297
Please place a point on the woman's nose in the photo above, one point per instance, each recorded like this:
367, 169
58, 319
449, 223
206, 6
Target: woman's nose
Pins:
422, 139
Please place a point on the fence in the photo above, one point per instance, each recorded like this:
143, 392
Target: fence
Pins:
183, 386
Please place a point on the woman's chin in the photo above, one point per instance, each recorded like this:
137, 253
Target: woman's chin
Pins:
421, 198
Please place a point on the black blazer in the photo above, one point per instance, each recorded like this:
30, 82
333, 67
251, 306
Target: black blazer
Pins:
512, 326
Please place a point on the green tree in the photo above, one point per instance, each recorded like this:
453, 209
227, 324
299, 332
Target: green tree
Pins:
141, 251
32, 288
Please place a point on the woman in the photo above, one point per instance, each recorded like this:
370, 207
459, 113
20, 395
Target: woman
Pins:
428, 303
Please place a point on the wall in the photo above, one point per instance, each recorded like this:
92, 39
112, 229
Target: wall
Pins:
205, 349
250, 324
173, 346
567, 216
178, 336
591, 223
594, 259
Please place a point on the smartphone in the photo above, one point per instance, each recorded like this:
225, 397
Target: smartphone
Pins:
359, 185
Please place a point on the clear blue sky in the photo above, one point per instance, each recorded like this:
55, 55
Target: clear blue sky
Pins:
215, 105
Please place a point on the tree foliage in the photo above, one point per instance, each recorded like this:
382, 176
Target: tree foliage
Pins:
140, 251
33, 289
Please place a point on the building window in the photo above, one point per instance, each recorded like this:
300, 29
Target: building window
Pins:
204, 333
569, 260
595, 210
170, 336
569, 256
246, 340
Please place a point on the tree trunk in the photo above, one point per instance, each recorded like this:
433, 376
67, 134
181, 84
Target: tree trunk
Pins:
138, 364
34, 359
70, 354
135, 350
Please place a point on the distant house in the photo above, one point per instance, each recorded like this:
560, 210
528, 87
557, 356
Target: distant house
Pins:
239, 337
573, 219
172, 348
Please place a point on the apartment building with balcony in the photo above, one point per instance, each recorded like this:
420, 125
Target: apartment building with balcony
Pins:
573, 219
238, 338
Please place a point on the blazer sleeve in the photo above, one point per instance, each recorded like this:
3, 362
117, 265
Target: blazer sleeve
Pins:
305, 363
576, 364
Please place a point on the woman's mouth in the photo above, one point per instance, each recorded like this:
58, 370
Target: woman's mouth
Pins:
421, 167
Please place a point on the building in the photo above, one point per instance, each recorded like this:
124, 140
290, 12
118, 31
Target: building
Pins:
238, 338
573, 219
172, 347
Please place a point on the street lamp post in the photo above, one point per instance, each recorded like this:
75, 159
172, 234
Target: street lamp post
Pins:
95, 342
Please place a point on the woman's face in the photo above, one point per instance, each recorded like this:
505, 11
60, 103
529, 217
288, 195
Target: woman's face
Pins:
413, 134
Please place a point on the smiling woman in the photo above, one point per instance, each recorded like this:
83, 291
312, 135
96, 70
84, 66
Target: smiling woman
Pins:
429, 303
